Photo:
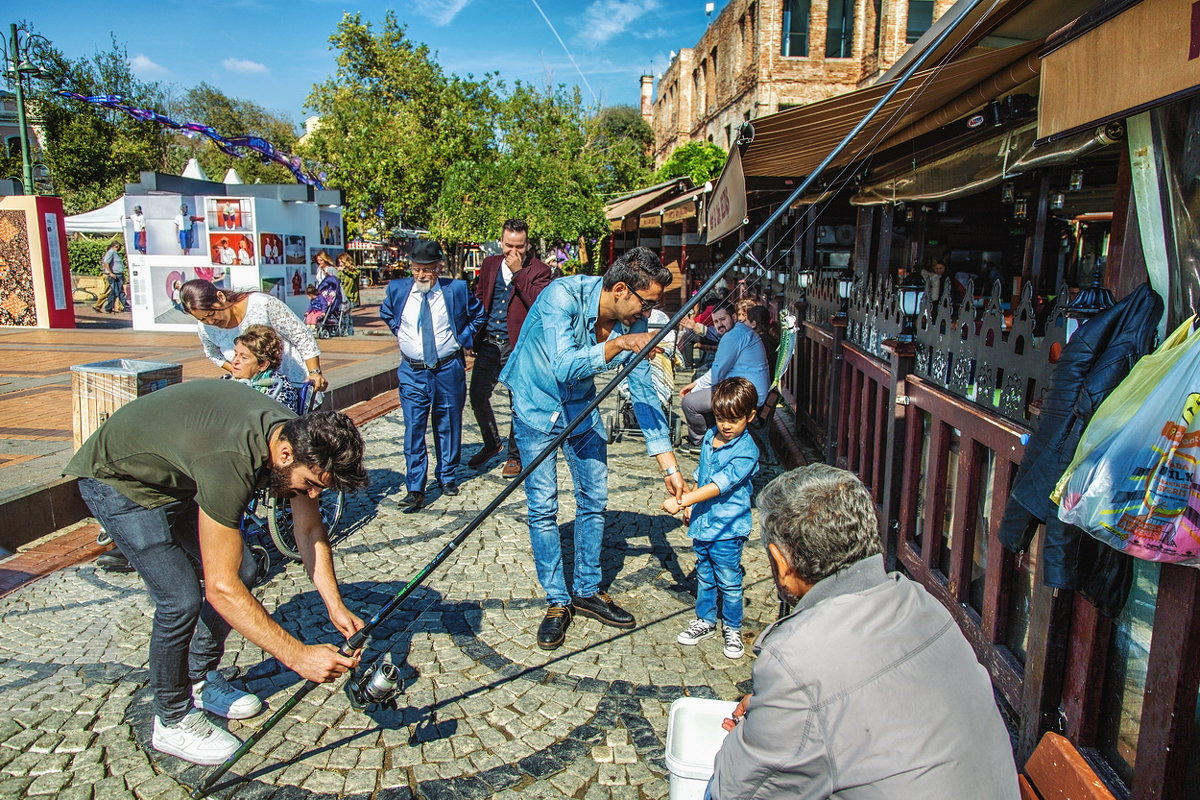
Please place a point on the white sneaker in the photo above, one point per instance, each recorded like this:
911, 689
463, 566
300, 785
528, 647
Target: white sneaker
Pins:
696, 632
733, 643
195, 739
220, 697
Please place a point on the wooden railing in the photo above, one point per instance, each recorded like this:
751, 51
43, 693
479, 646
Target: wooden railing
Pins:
936, 429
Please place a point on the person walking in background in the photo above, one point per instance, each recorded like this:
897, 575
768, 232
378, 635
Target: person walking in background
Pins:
508, 285
112, 265
348, 275
435, 321
720, 521
580, 326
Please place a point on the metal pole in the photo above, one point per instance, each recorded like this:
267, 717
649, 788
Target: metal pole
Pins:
22, 126
358, 639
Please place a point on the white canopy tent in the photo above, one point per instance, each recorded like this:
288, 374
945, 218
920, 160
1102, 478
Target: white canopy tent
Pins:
108, 219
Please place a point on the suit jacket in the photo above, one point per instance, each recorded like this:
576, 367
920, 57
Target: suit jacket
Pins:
528, 283
467, 314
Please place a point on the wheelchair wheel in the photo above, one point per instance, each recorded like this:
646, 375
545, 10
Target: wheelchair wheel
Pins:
279, 521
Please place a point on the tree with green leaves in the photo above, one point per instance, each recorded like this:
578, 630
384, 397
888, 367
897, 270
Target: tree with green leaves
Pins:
230, 116
393, 124
91, 152
620, 141
700, 161
540, 169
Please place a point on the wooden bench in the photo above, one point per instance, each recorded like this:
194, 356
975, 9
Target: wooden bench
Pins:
1057, 771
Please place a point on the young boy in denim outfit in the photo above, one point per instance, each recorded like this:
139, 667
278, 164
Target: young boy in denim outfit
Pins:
720, 522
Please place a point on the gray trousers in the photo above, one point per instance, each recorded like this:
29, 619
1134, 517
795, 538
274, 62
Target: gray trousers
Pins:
697, 410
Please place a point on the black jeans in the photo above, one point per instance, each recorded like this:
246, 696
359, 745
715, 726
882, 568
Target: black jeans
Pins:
490, 358
188, 636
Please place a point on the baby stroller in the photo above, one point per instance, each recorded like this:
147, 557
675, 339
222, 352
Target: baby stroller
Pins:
336, 321
662, 375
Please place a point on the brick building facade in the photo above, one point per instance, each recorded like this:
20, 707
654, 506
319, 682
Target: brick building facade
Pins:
762, 56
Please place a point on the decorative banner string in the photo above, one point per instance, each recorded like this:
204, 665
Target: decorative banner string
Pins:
236, 146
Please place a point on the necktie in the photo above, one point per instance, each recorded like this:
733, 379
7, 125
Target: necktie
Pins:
428, 346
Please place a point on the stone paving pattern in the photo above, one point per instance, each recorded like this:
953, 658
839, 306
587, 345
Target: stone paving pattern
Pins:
485, 713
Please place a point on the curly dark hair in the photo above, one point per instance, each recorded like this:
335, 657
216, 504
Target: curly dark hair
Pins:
329, 442
637, 268
264, 344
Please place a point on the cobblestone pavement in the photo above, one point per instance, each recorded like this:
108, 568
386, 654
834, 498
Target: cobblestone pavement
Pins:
485, 712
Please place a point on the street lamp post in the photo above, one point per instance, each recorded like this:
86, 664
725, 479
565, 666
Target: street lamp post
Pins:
16, 69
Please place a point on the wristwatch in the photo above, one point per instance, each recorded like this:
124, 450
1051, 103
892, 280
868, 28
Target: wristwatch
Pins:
669, 471
315, 372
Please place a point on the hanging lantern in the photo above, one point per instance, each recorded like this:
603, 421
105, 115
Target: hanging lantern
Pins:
1020, 209
1076, 180
1057, 201
912, 292
1007, 192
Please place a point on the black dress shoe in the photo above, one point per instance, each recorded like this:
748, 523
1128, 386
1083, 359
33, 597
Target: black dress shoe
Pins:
553, 629
485, 455
600, 606
450, 489
413, 500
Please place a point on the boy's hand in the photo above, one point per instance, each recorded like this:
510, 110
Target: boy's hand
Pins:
671, 506
687, 516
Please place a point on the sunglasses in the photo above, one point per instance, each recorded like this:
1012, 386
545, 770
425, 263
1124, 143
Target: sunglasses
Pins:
647, 305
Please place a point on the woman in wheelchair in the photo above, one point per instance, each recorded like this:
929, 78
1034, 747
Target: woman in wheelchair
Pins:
257, 354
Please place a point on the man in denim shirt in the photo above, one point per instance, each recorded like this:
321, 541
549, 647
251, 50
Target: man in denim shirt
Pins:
580, 326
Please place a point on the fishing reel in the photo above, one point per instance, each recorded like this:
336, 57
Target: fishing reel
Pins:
378, 686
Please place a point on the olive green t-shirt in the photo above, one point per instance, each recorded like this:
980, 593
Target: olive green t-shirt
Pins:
204, 439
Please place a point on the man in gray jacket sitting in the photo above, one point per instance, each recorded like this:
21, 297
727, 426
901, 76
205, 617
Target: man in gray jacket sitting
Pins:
867, 689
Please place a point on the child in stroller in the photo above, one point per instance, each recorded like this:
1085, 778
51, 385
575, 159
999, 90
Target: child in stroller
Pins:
662, 375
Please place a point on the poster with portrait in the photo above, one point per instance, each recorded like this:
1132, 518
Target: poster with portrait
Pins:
165, 283
297, 281
270, 248
294, 250
230, 214
164, 225
229, 249
331, 228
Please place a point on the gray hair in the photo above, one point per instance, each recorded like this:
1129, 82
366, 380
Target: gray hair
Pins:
822, 518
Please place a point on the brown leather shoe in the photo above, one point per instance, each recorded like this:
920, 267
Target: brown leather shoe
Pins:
512, 468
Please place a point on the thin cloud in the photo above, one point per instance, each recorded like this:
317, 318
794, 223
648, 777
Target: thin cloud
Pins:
440, 12
244, 66
142, 65
605, 19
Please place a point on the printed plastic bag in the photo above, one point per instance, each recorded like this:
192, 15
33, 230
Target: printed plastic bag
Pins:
1134, 482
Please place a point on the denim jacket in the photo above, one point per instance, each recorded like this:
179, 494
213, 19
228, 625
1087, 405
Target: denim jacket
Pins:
551, 374
732, 468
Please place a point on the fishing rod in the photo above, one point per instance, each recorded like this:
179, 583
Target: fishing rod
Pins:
373, 688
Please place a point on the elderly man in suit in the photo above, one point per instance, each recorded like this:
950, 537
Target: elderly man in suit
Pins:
435, 320
507, 286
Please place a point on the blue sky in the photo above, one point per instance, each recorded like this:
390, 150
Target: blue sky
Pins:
273, 51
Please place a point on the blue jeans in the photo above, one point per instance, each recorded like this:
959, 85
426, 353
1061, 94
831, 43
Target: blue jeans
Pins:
719, 570
116, 292
587, 458
188, 636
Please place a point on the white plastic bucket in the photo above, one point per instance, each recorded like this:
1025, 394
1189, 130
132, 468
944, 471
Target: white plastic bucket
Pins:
694, 735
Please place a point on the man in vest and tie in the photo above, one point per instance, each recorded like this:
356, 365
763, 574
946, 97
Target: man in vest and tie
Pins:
435, 319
